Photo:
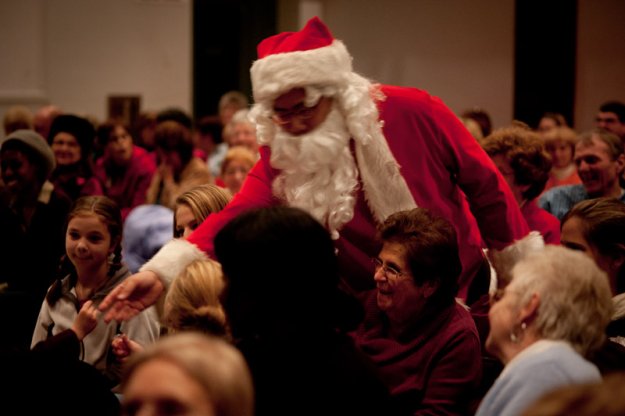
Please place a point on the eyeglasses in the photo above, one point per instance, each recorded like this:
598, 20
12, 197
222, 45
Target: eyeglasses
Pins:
301, 112
391, 273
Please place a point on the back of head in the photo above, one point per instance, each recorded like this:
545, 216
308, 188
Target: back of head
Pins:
177, 115
575, 299
431, 249
192, 301
215, 365
279, 264
525, 152
482, 118
171, 136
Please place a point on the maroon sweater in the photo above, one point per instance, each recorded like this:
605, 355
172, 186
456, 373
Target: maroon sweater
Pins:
434, 367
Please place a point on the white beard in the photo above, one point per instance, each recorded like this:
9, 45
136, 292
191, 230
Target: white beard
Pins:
319, 174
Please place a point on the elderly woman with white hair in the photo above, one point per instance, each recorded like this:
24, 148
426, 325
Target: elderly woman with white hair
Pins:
552, 314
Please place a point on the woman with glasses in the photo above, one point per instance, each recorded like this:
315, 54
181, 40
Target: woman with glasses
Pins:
423, 342
552, 314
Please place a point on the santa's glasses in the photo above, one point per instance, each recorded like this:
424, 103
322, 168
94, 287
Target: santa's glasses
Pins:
300, 112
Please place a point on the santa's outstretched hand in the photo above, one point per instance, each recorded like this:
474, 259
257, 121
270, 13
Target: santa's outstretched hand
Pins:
132, 296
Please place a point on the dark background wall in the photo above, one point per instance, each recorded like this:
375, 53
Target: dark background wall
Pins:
225, 35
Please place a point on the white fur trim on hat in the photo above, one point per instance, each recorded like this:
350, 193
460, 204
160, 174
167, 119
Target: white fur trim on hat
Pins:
279, 73
172, 258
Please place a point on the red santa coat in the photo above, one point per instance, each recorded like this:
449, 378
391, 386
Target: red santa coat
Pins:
446, 172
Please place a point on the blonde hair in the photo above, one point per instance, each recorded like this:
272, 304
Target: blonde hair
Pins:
203, 200
557, 134
193, 300
575, 298
215, 365
18, 117
237, 153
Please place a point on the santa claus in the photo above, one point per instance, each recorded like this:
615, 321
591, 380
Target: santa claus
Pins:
350, 152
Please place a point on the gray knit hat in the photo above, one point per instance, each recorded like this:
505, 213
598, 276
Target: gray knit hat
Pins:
34, 141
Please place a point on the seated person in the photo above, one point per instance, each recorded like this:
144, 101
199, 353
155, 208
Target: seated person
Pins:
521, 158
596, 227
283, 305
188, 374
424, 343
243, 132
552, 314
178, 170
550, 121
71, 139
560, 143
94, 267
600, 163
32, 239
125, 170
238, 162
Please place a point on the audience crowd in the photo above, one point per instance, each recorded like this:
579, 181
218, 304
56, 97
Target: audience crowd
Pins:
338, 247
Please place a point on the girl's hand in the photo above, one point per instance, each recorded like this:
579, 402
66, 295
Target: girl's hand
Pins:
123, 346
86, 320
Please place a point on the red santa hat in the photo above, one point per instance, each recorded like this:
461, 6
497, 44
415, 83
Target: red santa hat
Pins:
293, 59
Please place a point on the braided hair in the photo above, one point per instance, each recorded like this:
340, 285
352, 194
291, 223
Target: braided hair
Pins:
107, 211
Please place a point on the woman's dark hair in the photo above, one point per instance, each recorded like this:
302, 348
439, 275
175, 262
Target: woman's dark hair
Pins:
108, 212
279, 263
431, 250
172, 136
106, 129
525, 151
603, 227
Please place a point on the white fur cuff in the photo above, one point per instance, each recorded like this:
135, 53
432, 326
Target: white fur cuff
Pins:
172, 258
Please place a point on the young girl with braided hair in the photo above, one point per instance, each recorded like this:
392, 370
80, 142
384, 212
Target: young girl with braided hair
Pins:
93, 265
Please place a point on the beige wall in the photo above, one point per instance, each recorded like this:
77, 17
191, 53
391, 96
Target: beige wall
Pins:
461, 51
74, 53
600, 58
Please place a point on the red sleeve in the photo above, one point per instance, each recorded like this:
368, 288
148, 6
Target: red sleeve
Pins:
492, 204
255, 193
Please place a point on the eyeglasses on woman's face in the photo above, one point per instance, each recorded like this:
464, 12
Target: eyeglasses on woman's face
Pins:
391, 273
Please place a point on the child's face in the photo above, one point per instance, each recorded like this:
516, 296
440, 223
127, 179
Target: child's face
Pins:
88, 242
